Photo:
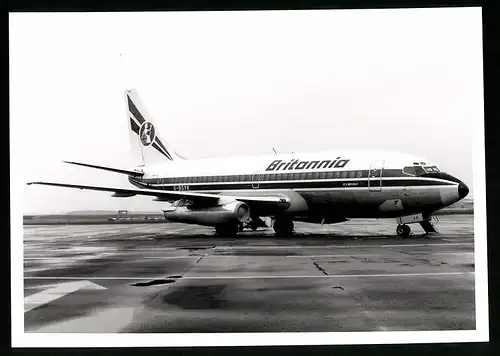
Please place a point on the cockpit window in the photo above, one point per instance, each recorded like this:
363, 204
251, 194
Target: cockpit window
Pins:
431, 169
418, 170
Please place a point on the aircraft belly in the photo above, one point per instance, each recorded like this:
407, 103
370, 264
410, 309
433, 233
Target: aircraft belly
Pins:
418, 198
353, 203
362, 203
347, 196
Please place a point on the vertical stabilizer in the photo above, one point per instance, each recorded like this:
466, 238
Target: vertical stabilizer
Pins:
144, 134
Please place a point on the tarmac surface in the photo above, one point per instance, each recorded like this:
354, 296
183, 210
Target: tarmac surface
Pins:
354, 276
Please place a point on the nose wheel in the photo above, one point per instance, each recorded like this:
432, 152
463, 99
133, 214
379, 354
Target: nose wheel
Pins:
403, 230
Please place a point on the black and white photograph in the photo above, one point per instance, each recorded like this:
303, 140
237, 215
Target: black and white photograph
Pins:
227, 178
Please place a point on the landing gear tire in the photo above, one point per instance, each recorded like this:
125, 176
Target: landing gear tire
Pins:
283, 227
228, 230
403, 230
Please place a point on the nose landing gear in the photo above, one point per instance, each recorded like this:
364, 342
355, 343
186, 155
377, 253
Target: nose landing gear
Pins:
427, 223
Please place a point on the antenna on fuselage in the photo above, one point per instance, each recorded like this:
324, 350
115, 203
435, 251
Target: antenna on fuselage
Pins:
274, 151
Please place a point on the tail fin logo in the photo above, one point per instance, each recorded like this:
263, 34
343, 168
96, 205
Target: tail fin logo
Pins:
147, 133
145, 130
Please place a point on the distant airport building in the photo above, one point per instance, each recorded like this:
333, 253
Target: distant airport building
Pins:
122, 212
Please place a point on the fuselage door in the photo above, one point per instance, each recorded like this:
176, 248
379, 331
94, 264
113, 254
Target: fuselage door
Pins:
156, 181
153, 182
255, 180
375, 176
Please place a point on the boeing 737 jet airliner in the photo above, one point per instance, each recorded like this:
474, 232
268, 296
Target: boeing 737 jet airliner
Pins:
323, 188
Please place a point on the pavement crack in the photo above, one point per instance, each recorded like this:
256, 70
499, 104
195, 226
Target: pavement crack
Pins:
319, 268
191, 267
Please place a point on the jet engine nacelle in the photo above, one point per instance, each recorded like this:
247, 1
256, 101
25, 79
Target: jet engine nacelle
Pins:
218, 215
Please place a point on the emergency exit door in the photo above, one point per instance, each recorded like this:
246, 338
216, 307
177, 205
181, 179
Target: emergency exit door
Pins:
375, 176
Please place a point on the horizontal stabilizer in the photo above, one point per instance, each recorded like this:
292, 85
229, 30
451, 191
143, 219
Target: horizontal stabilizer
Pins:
116, 170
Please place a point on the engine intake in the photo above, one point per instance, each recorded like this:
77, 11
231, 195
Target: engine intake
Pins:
213, 216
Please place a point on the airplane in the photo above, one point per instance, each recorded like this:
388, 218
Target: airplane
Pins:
323, 187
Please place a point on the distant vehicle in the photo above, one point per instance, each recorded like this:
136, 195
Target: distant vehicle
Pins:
323, 188
112, 219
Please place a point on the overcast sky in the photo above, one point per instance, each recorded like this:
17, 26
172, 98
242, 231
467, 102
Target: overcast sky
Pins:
239, 83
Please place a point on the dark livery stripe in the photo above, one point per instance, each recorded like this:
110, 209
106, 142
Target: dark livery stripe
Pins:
158, 141
346, 184
134, 111
134, 126
299, 180
286, 176
304, 185
161, 151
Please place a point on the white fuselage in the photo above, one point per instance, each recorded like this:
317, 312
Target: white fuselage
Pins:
346, 184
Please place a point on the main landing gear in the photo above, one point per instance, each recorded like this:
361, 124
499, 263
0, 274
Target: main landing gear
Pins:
283, 226
248, 224
227, 230
403, 230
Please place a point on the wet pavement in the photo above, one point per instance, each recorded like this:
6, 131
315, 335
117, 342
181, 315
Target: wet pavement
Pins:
355, 276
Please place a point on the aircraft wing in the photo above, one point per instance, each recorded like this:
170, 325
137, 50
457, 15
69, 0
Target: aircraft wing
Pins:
278, 202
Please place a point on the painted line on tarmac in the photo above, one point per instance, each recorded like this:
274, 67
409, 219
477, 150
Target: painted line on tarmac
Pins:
302, 256
44, 297
238, 256
266, 256
339, 246
76, 278
426, 245
294, 256
263, 277
333, 276
171, 257
122, 253
81, 258
452, 240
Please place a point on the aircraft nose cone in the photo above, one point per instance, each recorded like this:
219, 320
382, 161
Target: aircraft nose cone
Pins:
463, 190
